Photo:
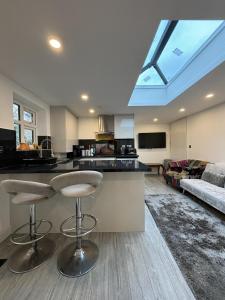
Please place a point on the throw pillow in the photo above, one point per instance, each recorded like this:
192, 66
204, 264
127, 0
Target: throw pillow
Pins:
215, 168
210, 168
195, 164
216, 179
174, 164
183, 163
191, 163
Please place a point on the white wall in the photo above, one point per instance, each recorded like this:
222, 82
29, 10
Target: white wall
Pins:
6, 102
152, 155
58, 121
205, 133
71, 130
178, 139
87, 127
63, 129
10, 91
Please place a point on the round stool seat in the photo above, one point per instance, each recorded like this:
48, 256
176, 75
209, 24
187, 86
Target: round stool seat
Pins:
28, 198
33, 248
78, 190
15, 187
80, 257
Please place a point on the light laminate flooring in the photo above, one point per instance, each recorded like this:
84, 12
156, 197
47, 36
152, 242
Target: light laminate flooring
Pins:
156, 185
131, 266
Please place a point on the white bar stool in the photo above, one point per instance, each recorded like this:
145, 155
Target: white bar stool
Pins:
77, 258
34, 248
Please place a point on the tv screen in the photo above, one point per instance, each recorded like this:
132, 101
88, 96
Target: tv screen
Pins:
152, 140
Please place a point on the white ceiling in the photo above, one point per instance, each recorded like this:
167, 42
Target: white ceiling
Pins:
105, 44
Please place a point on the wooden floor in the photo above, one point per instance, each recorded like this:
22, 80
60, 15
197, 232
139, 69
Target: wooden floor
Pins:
130, 266
156, 185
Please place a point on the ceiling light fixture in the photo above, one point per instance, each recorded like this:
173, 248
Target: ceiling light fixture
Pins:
84, 97
209, 95
91, 111
155, 120
182, 109
54, 43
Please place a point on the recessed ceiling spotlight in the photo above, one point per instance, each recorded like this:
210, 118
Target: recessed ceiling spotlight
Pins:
91, 111
54, 43
84, 97
155, 120
182, 109
209, 95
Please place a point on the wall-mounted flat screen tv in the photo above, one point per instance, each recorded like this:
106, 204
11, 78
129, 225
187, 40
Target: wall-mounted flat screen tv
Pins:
152, 140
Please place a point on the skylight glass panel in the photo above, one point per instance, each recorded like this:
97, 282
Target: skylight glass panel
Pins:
149, 77
186, 39
159, 33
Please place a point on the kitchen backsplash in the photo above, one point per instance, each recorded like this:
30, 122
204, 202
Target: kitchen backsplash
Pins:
91, 147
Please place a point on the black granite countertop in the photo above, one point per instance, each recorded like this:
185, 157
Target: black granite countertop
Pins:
109, 165
110, 156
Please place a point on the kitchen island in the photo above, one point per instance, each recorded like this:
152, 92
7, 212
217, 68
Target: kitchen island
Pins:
118, 203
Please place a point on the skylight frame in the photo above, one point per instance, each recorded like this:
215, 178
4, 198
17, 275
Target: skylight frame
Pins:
200, 50
158, 51
162, 44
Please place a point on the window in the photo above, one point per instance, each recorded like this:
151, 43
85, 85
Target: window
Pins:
28, 116
16, 112
28, 135
159, 33
18, 133
174, 45
24, 124
149, 77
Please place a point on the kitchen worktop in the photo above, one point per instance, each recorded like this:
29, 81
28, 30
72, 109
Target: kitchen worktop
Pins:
112, 156
102, 165
122, 190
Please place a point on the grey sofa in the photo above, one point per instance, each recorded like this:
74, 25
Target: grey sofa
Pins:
210, 188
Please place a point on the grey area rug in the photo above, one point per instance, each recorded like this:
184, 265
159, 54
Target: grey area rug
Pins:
195, 234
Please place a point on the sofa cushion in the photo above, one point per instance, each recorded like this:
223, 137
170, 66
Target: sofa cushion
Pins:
216, 179
209, 193
166, 164
217, 168
181, 175
215, 197
180, 164
194, 186
220, 164
194, 163
220, 167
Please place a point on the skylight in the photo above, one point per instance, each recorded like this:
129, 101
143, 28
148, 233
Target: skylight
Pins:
150, 77
174, 46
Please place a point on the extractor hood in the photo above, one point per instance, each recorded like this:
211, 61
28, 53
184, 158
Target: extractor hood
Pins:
105, 128
106, 124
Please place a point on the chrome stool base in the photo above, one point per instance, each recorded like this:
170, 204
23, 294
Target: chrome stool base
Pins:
27, 258
75, 263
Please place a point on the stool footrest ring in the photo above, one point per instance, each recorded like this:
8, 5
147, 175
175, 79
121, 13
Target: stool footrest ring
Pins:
16, 237
69, 231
